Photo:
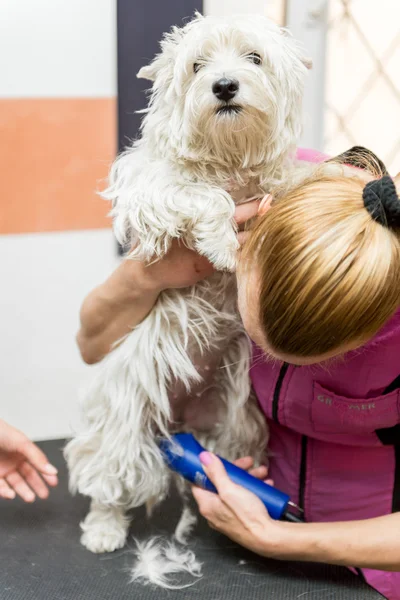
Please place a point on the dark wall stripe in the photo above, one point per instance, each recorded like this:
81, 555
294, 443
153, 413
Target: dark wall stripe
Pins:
140, 25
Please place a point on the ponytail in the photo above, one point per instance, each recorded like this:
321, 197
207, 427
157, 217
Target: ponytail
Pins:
327, 256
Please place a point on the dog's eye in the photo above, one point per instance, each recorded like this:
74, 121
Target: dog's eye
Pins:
197, 67
255, 58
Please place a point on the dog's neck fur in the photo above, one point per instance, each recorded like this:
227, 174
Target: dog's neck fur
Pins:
234, 177
241, 181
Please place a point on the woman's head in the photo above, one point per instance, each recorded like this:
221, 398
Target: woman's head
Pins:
318, 275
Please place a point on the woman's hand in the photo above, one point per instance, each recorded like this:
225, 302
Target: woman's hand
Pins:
247, 464
239, 514
235, 511
24, 468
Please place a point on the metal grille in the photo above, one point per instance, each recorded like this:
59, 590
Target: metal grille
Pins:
362, 92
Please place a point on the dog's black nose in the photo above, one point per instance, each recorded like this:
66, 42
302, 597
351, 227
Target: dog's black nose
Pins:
225, 89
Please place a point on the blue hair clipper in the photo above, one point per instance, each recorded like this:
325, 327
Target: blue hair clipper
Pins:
181, 454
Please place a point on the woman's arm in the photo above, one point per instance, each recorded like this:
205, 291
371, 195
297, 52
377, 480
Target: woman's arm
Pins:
372, 543
114, 308
239, 514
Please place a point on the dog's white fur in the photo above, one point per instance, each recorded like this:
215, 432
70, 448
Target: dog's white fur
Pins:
181, 180
158, 559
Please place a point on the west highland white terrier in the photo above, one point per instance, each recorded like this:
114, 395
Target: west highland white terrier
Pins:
221, 127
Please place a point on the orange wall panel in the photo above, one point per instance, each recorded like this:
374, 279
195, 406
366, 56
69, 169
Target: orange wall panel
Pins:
54, 155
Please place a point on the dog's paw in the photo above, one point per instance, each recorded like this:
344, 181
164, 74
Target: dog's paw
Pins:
221, 253
101, 539
104, 529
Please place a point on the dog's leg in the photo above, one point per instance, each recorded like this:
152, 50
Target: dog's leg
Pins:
185, 526
188, 517
105, 528
161, 205
215, 238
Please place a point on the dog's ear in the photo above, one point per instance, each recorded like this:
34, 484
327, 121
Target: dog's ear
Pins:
145, 73
149, 71
164, 60
306, 60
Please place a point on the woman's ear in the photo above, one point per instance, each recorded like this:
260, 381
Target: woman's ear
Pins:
265, 205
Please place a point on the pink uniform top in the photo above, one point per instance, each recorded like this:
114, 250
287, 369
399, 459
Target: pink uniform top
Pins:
335, 431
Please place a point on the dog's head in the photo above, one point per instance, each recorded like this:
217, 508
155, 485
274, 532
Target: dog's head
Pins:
227, 90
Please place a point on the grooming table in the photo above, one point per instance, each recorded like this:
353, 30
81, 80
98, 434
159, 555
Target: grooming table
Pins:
41, 558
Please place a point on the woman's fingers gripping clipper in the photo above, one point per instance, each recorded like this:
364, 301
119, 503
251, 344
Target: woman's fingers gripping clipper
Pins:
215, 471
247, 464
244, 462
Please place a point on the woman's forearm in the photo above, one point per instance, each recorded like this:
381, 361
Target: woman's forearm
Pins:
372, 543
112, 309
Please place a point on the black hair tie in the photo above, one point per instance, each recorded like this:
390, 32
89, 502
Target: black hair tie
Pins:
382, 202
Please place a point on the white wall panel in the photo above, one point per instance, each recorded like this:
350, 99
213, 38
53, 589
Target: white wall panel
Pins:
307, 20
57, 48
44, 278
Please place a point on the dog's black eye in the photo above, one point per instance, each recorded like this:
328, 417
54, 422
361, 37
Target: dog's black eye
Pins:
255, 58
197, 67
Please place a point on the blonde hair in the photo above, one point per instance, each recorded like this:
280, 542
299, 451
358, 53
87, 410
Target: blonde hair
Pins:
329, 274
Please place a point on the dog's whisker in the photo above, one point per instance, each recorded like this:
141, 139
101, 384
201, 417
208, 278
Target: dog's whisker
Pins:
232, 364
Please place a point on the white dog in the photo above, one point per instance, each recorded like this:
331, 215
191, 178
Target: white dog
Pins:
223, 119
